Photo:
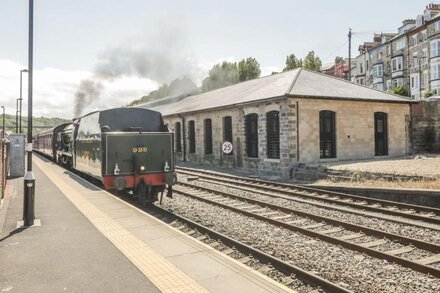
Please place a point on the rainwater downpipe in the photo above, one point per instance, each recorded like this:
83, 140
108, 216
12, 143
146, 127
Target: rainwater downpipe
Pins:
297, 131
183, 136
297, 140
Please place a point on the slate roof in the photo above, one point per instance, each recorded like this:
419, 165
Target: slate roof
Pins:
299, 83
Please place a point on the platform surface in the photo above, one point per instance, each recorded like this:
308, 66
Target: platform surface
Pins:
91, 241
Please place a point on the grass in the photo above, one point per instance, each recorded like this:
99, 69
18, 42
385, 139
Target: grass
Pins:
417, 184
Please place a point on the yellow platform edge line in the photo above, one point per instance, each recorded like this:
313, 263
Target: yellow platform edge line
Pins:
164, 275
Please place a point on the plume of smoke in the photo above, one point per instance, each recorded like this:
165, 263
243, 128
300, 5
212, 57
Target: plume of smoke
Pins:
161, 57
88, 90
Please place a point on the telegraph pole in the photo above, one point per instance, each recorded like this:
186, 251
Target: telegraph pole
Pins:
29, 179
349, 54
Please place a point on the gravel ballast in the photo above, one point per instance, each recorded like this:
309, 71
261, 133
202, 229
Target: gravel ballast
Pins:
407, 230
356, 271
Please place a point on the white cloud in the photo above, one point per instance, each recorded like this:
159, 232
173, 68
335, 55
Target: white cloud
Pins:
54, 90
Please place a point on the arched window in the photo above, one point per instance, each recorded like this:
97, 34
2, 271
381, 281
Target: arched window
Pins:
273, 134
177, 137
380, 134
251, 124
208, 136
327, 134
192, 137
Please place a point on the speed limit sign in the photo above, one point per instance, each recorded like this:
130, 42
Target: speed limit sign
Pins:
227, 147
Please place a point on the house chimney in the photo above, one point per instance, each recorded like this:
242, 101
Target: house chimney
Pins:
433, 6
431, 11
408, 21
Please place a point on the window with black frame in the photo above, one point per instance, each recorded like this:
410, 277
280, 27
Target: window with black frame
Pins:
251, 124
227, 129
208, 136
177, 137
192, 137
327, 134
380, 134
273, 134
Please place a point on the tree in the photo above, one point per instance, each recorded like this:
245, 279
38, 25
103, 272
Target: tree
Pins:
312, 62
248, 69
292, 62
400, 90
220, 75
176, 87
339, 60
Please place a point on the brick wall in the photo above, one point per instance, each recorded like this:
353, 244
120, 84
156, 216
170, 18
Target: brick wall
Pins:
426, 126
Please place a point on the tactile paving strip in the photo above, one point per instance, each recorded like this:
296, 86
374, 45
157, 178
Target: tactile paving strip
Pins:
164, 275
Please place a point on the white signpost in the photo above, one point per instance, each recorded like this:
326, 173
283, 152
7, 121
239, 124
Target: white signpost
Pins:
227, 147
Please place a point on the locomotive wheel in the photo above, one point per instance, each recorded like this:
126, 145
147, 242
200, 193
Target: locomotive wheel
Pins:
147, 194
154, 194
142, 192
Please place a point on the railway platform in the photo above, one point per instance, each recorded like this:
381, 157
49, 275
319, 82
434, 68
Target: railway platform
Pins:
91, 241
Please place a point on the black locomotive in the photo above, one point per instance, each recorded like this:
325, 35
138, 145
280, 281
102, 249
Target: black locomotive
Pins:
125, 148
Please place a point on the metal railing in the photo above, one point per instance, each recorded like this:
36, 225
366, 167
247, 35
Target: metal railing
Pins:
4, 166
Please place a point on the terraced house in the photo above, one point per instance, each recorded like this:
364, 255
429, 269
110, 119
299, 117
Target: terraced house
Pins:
409, 59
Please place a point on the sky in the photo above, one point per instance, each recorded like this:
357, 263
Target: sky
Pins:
144, 43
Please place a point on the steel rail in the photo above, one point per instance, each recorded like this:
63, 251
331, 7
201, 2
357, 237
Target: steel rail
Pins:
353, 227
330, 200
277, 263
325, 206
352, 246
320, 191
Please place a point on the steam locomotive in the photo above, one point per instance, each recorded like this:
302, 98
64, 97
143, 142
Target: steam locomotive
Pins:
127, 149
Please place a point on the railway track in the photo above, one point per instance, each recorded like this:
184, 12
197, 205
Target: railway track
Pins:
390, 210
283, 217
229, 246
232, 244
355, 237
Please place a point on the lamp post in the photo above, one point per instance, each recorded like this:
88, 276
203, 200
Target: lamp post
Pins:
29, 179
3, 128
21, 98
16, 115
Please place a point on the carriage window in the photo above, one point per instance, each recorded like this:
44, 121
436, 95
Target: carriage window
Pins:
227, 128
273, 134
251, 124
192, 137
208, 136
327, 134
177, 137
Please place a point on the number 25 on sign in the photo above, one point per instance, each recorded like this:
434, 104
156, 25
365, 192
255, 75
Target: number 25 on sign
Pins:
227, 147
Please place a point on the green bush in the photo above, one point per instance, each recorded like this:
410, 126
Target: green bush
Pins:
400, 90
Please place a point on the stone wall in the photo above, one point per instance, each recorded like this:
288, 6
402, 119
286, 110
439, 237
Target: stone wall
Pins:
354, 123
277, 167
426, 126
354, 129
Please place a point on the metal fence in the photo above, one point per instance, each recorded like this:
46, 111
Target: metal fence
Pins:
4, 167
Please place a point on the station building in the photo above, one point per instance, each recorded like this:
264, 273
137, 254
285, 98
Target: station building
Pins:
282, 120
